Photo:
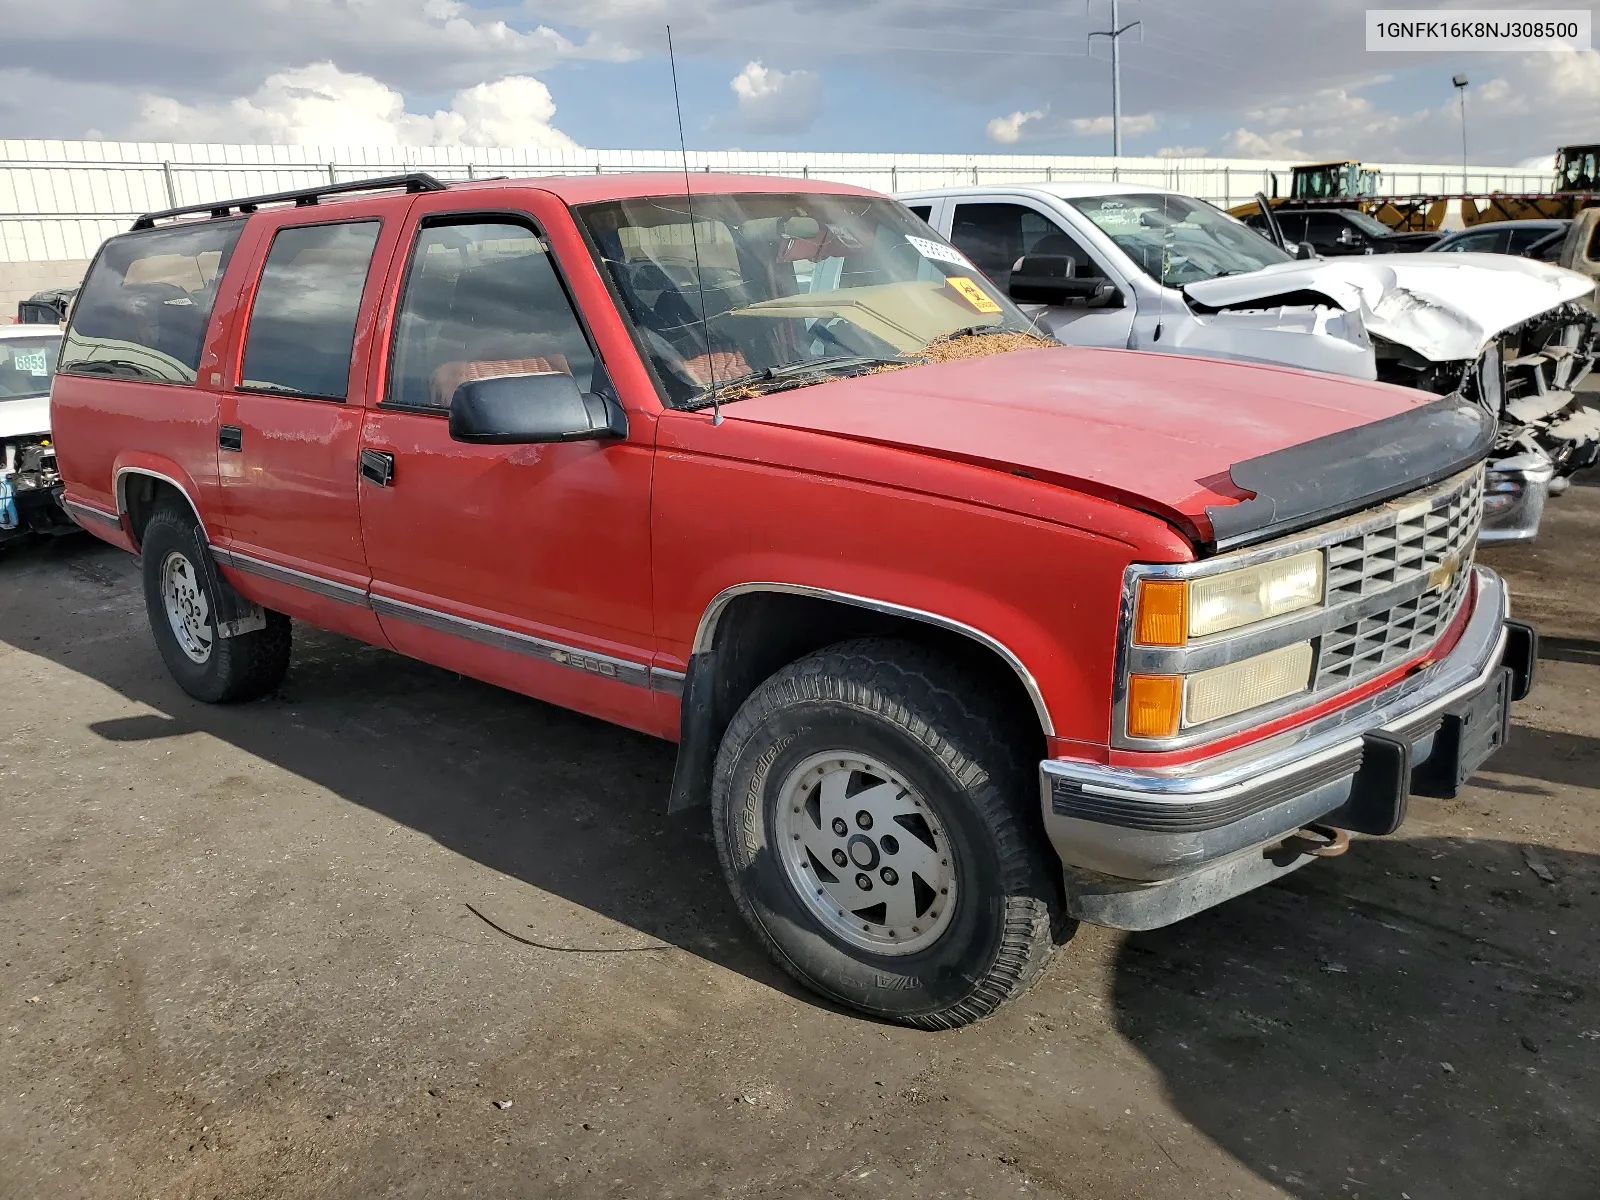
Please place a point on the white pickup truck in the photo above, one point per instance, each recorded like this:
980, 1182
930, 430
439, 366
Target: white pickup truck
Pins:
1119, 264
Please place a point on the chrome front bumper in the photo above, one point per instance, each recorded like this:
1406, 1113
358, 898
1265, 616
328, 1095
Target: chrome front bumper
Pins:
1515, 490
1142, 848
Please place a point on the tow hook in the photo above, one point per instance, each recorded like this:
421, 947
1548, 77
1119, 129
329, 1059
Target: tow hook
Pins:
1322, 841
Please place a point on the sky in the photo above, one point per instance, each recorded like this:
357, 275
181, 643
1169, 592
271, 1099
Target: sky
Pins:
1246, 78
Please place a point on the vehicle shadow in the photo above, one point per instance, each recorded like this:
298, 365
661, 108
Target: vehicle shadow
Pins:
571, 805
1570, 649
1419, 1018
1554, 756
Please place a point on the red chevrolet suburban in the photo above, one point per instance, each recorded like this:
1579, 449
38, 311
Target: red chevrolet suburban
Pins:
962, 635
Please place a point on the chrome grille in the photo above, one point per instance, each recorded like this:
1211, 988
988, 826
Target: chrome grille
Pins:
1421, 539
1416, 542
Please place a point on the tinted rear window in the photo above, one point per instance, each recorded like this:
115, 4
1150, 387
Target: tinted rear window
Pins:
303, 322
143, 310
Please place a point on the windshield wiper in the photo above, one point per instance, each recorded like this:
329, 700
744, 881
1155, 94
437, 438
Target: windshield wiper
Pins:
974, 331
795, 374
110, 366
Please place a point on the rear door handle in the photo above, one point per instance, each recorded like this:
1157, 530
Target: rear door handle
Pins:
231, 437
377, 466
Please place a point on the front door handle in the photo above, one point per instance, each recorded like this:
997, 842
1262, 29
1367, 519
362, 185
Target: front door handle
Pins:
377, 466
231, 437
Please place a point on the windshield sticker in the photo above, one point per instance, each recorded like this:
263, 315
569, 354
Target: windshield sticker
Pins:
973, 294
33, 362
939, 252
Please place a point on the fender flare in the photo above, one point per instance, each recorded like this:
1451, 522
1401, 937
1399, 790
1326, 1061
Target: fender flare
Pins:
698, 740
120, 490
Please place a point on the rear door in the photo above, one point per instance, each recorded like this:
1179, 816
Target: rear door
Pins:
523, 565
292, 408
995, 233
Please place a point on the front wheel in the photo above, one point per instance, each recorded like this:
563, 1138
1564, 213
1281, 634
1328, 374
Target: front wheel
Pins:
178, 597
872, 819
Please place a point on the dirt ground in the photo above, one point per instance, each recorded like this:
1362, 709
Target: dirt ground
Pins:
237, 960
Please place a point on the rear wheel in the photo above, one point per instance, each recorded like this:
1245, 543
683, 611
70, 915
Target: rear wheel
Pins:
178, 597
873, 820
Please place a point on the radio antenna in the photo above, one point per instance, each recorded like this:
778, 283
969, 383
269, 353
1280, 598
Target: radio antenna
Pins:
694, 240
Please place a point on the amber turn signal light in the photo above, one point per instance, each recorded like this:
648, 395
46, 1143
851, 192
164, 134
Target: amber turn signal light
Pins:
1155, 704
1162, 618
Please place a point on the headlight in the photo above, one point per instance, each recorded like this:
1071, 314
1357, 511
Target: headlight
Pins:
1159, 706
1227, 691
1171, 611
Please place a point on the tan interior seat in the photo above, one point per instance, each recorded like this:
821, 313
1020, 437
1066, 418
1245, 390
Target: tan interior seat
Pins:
451, 375
728, 364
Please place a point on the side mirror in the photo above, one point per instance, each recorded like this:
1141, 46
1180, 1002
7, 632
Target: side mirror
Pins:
509, 410
1053, 279
1348, 237
1304, 250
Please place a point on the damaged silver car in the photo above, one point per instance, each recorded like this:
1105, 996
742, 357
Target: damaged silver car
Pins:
30, 488
1113, 264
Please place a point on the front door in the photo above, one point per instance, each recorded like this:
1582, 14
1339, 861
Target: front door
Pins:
528, 566
291, 421
995, 234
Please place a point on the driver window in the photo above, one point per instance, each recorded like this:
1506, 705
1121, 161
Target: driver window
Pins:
995, 236
1293, 226
1323, 229
1474, 243
481, 299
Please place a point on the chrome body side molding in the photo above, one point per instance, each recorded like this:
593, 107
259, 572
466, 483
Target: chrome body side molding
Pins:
559, 654
705, 634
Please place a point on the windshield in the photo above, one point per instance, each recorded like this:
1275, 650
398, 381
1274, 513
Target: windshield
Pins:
27, 365
1368, 225
1176, 240
798, 286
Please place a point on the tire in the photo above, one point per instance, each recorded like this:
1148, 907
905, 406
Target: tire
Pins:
895, 728
214, 669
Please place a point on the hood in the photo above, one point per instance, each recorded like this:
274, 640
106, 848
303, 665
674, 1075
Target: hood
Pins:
24, 417
1157, 432
1446, 308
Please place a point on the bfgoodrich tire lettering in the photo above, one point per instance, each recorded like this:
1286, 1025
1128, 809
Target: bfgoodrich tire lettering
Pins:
214, 669
904, 707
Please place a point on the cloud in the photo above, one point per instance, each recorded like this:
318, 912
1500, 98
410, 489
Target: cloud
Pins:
773, 101
1279, 143
1039, 126
1008, 130
203, 49
320, 105
1539, 100
1206, 69
1131, 125
1182, 152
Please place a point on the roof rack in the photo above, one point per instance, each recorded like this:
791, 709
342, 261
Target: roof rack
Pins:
416, 181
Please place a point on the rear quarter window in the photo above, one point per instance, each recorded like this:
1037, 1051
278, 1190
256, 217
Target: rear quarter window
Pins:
143, 310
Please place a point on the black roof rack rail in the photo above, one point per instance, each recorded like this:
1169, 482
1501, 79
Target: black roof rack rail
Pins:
416, 181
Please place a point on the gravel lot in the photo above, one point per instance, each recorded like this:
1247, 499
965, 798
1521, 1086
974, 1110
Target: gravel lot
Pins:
237, 959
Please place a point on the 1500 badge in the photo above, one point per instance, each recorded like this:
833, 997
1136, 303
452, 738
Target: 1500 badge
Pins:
584, 663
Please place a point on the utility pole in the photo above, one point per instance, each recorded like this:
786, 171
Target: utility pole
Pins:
1461, 86
1115, 35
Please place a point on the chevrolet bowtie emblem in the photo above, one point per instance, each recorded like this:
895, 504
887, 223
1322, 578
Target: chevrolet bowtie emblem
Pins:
1442, 576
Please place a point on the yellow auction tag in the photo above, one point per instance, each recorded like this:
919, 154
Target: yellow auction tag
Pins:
973, 294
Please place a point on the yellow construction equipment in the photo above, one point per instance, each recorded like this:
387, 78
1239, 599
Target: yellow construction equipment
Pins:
1350, 185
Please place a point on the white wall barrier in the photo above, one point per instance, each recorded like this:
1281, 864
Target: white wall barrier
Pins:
59, 200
